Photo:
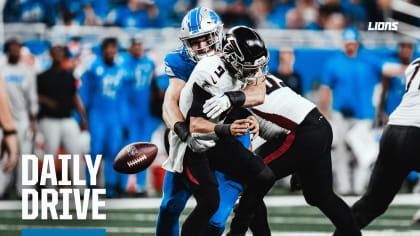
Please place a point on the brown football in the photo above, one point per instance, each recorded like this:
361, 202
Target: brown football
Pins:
135, 157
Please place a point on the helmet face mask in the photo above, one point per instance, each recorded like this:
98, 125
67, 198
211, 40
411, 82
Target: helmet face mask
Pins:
201, 24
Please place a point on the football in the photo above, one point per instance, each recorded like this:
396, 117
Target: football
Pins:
135, 157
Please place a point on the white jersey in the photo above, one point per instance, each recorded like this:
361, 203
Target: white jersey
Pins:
210, 75
408, 112
282, 106
21, 90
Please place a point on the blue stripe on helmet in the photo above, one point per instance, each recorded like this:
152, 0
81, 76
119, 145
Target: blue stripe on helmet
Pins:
193, 21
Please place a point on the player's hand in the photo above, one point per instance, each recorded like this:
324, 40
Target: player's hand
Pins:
254, 127
239, 127
216, 106
197, 145
9, 145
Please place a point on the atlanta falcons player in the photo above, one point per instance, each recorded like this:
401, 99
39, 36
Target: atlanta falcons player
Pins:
305, 151
398, 153
211, 76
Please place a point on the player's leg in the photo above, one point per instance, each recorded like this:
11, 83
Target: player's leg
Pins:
232, 158
391, 168
50, 129
113, 146
259, 225
202, 183
315, 174
282, 167
97, 130
175, 196
70, 134
229, 192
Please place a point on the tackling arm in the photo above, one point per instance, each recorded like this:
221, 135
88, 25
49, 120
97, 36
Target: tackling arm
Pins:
255, 92
170, 110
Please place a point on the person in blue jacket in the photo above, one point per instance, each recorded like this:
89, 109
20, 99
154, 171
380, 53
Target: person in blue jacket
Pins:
101, 94
138, 120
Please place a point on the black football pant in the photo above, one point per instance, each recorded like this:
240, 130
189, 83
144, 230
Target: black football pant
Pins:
399, 154
309, 157
230, 157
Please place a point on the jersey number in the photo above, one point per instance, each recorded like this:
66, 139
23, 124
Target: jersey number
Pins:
416, 69
219, 72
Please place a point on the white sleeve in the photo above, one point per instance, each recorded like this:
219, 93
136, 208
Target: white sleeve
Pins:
204, 80
269, 130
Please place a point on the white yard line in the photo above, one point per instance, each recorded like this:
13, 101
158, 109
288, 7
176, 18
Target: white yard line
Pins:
271, 201
151, 230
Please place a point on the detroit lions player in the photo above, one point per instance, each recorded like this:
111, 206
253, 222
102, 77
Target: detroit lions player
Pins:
100, 92
201, 34
212, 76
138, 119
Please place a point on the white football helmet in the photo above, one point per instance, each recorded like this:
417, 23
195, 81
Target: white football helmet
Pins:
201, 22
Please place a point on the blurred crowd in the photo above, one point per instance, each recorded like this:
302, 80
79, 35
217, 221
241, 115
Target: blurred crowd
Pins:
273, 14
70, 97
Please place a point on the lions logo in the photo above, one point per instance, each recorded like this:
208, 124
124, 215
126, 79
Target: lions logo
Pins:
132, 151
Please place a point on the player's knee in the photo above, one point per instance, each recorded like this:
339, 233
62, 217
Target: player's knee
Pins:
266, 178
173, 207
313, 200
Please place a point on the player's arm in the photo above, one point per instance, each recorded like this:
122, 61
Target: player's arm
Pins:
170, 109
390, 69
325, 99
380, 111
9, 141
255, 92
81, 109
202, 128
325, 91
252, 95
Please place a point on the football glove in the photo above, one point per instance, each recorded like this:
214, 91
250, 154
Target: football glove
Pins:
216, 106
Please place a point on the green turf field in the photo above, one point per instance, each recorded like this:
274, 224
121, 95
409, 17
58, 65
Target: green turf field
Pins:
284, 220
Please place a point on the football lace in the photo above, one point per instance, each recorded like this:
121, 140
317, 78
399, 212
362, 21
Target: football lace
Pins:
136, 160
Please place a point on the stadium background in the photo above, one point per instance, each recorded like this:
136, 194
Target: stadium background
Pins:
286, 25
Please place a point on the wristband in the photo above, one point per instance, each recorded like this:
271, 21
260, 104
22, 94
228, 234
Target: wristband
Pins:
236, 98
182, 130
8, 132
222, 130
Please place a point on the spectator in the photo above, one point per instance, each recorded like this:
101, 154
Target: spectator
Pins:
355, 12
32, 11
393, 88
8, 140
348, 82
286, 70
138, 118
21, 90
324, 12
136, 14
57, 94
101, 95
236, 12
308, 9
336, 21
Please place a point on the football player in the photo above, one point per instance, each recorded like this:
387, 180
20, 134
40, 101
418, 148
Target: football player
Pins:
298, 140
398, 153
201, 34
221, 74
101, 94
138, 119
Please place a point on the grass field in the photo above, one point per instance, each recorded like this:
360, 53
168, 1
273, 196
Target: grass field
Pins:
287, 216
